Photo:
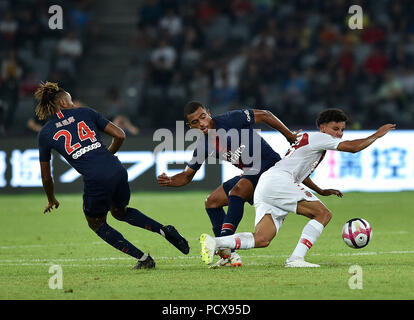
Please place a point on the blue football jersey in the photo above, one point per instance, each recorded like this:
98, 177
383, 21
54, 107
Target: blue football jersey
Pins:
236, 142
74, 133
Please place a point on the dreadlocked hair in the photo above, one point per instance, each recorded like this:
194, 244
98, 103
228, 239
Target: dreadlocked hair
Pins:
46, 94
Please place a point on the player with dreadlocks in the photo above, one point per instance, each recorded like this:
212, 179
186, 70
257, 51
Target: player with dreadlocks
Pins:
74, 133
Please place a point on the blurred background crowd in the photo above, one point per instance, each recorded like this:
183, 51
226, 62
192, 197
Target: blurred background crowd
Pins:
139, 62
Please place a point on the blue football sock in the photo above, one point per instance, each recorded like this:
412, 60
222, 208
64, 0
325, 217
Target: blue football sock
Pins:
138, 219
116, 239
216, 216
233, 216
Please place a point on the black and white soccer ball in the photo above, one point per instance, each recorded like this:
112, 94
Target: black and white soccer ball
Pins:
357, 233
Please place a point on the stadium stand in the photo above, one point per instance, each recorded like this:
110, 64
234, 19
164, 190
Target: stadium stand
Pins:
40, 54
292, 57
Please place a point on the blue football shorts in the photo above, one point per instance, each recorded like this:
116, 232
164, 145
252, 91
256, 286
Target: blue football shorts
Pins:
100, 195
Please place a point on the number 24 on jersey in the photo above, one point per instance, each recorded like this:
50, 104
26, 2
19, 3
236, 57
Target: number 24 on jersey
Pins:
84, 133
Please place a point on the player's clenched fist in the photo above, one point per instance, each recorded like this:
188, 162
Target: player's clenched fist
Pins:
164, 180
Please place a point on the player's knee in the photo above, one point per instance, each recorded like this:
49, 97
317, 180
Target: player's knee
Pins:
261, 241
95, 223
215, 201
240, 192
324, 216
118, 213
327, 216
235, 191
208, 203
245, 192
211, 202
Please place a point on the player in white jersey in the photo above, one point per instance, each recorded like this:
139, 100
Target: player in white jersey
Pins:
280, 191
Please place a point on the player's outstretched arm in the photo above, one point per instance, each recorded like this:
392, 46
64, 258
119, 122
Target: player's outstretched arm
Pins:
178, 180
323, 192
118, 136
48, 186
271, 120
360, 144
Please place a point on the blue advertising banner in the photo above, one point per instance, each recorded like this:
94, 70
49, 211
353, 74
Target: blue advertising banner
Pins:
387, 165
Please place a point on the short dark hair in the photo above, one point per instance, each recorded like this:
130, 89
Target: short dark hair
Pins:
332, 114
191, 107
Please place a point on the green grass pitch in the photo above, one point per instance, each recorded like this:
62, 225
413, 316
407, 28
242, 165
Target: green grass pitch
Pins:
31, 242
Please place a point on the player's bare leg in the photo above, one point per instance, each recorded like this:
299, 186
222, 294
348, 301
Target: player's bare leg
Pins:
217, 198
320, 217
243, 189
314, 210
265, 232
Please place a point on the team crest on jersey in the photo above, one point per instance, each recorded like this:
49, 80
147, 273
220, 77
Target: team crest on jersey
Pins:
308, 194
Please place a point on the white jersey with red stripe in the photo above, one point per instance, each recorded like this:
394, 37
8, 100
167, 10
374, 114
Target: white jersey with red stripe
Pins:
306, 154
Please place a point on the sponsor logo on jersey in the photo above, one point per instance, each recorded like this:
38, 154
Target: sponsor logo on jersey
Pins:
234, 157
86, 149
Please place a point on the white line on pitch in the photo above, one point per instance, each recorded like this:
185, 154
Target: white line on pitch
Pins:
136, 240
46, 261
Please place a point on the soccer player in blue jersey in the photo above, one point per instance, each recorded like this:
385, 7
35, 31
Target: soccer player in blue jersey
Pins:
238, 143
74, 133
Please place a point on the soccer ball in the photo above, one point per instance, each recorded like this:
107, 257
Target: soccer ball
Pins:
357, 233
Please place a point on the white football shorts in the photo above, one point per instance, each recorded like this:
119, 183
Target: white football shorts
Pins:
277, 194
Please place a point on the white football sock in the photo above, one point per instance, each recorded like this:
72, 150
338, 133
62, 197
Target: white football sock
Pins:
144, 257
310, 234
242, 240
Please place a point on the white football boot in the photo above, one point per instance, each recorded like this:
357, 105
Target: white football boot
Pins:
300, 263
234, 260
